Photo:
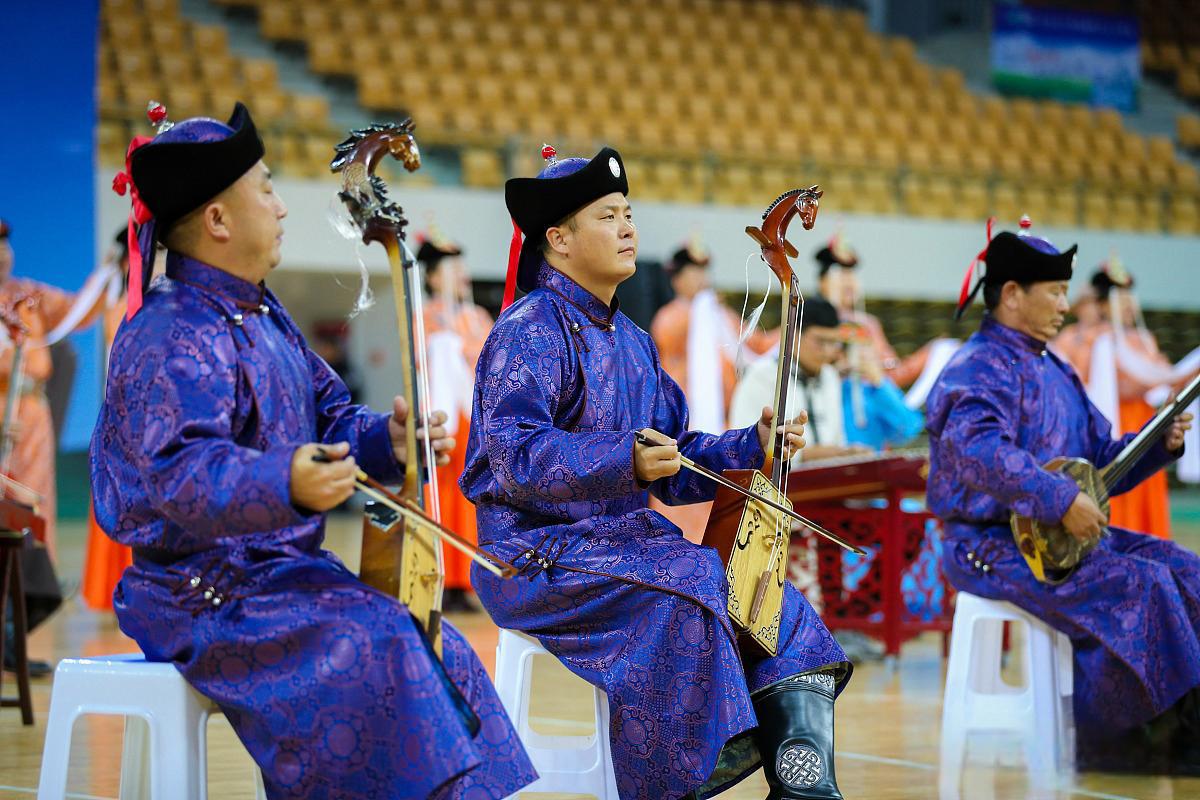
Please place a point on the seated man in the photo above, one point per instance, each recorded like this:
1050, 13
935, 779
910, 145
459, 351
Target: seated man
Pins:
203, 461
607, 585
1003, 407
816, 384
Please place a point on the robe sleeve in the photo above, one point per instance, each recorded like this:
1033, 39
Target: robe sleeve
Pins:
522, 375
339, 420
978, 445
181, 398
735, 449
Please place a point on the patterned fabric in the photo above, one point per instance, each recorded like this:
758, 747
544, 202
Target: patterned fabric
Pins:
607, 585
1002, 407
328, 683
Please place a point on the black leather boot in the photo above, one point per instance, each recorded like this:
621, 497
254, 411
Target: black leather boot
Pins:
795, 737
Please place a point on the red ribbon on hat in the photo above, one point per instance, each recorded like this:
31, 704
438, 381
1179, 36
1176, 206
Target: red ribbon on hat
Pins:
965, 293
139, 215
514, 261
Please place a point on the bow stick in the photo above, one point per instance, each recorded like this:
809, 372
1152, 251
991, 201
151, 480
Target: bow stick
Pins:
766, 501
410, 510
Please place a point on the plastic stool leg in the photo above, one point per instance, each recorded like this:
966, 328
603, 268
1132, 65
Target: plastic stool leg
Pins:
56, 752
135, 760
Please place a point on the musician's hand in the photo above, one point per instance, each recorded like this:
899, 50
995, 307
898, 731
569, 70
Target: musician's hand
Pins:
322, 485
1173, 439
1084, 519
794, 430
651, 462
443, 443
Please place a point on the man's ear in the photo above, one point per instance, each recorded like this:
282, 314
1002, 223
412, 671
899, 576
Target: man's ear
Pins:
557, 241
216, 218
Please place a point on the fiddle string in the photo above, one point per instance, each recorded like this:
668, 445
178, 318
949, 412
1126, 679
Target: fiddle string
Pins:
423, 392
790, 394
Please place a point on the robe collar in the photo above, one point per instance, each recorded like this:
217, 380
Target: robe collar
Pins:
240, 292
1003, 334
550, 278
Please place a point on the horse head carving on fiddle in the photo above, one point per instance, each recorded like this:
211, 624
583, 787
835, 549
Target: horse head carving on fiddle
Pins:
772, 236
365, 194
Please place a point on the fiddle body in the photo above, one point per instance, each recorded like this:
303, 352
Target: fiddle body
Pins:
1050, 549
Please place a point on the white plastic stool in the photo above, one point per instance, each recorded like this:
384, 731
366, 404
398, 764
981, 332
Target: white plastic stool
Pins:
165, 750
978, 699
565, 764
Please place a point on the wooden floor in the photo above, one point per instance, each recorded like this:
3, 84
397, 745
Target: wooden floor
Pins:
888, 719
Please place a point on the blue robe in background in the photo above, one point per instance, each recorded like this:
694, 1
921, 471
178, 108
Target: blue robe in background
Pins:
1004, 406
607, 585
887, 421
327, 682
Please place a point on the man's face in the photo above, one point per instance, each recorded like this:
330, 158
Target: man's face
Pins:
840, 287
449, 277
818, 346
1121, 300
689, 280
602, 246
255, 219
1042, 308
6, 260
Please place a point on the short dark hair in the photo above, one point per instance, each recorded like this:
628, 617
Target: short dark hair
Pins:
567, 222
992, 292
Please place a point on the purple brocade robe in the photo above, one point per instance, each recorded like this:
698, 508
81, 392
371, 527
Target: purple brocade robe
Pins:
327, 682
1004, 406
607, 585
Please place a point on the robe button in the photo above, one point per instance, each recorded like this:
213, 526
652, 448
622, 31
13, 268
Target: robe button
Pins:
195, 581
978, 564
1043, 354
264, 309
574, 327
987, 568
612, 328
237, 320
217, 600
208, 593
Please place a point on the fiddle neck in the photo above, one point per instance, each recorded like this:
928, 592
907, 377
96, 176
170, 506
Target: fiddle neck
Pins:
776, 466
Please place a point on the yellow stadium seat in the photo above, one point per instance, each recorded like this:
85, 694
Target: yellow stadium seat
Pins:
376, 90
191, 100
1187, 129
327, 56
219, 71
167, 35
482, 168
211, 40
279, 20
259, 73
161, 8
269, 106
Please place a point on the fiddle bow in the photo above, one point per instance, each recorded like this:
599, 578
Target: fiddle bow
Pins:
401, 545
752, 535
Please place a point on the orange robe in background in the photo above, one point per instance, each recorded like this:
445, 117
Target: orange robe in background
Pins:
34, 448
669, 329
1146, 507
473, 324
105, 559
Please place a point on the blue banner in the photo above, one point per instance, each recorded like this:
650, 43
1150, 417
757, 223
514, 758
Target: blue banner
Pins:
1066, 55
47, 160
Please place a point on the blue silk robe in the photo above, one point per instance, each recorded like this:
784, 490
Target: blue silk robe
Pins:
1004, 406
607, 585
326, 681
